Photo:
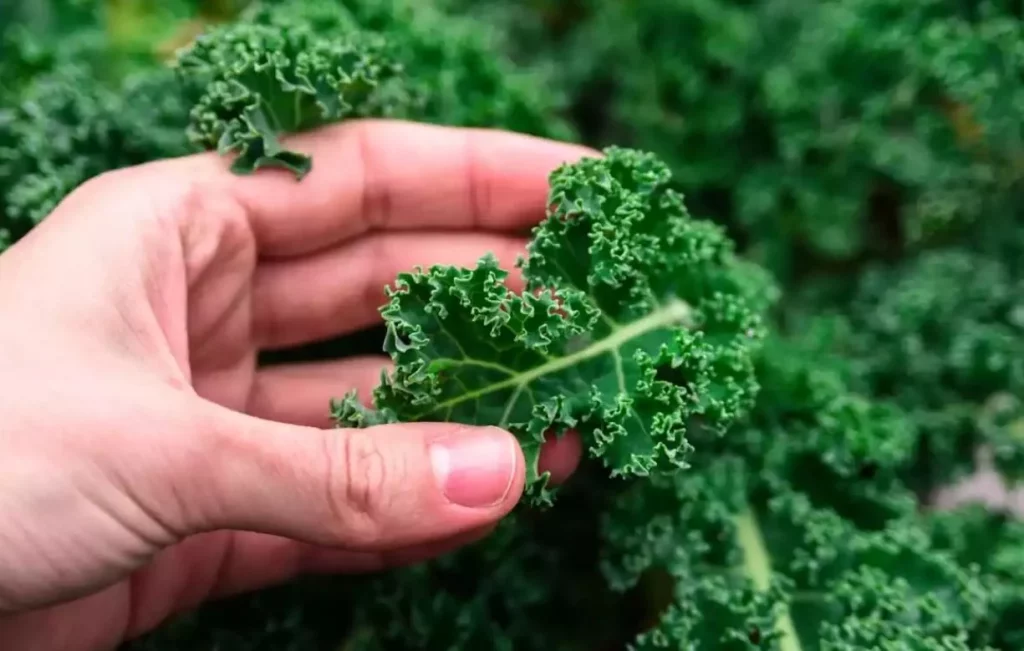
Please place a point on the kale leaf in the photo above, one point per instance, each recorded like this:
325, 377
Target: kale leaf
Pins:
635, 328
255, 81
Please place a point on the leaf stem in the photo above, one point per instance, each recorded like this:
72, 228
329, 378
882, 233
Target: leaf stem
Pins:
674, 311
758, 566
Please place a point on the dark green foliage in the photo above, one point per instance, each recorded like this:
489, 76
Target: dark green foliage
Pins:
452, 71
992, 540
88, 101
941, 336
256, 81
833, 189
821, 132
454, 67
76, 102
944, 335
621, 285
70, 127
287, 67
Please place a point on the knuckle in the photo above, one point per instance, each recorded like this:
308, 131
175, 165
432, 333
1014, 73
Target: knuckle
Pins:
360, 495
203, 210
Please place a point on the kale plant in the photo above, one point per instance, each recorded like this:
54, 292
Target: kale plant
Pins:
783, 309
637, 326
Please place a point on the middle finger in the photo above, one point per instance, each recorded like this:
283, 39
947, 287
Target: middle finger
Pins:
340, 291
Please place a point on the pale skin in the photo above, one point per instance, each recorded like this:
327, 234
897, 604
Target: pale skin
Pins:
147, 464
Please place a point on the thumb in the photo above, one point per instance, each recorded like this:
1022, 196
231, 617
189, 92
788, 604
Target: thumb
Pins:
385, 487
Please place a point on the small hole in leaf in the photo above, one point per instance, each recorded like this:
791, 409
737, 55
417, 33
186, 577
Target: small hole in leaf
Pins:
671, 375
754, 636
868, 471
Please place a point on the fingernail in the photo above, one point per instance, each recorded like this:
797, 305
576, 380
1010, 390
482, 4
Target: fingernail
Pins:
475, 467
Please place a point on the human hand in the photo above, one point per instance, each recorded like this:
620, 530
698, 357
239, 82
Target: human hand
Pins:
148, 464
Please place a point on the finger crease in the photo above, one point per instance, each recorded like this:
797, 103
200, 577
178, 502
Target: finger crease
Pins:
375, 201
227, 559
334, 507
132, 622
477, 189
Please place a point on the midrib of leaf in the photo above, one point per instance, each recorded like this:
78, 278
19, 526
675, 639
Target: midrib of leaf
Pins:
672, 311
758, 566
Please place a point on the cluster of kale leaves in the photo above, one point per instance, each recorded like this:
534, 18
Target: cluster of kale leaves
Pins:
867, 154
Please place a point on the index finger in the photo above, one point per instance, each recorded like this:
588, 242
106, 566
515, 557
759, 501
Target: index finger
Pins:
394, 175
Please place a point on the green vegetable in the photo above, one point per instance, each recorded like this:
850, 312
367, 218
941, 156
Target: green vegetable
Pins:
70, 126
944, 335
633, 329
782, 310
258, 81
